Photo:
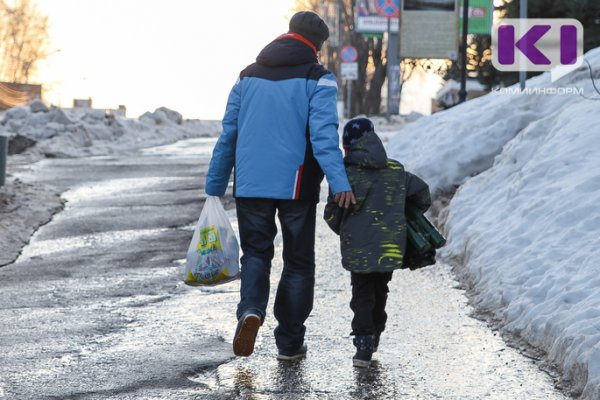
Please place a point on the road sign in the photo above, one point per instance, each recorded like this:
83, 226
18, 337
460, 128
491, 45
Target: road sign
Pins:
429, 29
480, 16
349, 54
388, 8
368, 19
349, 71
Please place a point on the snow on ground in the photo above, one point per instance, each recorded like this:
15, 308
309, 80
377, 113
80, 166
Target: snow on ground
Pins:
524, 222
87, 132
23, 208
73, 133
386, 126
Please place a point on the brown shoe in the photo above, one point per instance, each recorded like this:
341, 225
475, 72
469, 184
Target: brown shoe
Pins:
245, 334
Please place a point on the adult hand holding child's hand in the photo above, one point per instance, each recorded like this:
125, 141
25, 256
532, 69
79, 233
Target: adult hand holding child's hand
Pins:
343, 199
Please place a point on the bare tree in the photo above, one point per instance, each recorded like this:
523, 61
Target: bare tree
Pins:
372, 61
366, 98
23, 40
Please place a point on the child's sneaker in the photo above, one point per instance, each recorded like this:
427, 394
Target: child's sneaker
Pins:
376, 341
364, 351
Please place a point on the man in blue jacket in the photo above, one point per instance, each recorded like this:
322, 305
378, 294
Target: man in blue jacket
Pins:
280, 133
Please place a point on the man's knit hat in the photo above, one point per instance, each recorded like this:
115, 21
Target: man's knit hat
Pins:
311, 26
355, 129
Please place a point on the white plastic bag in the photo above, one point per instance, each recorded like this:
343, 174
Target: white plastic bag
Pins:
213, 255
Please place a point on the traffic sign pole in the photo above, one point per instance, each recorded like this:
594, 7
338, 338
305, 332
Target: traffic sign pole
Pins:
348, 97
392, 55
391, 9
349, 67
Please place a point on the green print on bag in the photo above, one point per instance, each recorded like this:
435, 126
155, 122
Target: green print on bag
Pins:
212, 257
211, 260
208, 240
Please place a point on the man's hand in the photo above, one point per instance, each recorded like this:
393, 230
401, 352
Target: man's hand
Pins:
343, 199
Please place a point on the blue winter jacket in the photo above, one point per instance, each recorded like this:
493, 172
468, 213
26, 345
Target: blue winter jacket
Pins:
280, 128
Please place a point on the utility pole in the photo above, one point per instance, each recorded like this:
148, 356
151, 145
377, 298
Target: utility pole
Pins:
523, 68
393, 70
462, 94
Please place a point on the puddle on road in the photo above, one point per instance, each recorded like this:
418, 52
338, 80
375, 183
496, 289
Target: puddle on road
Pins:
40, 248
208, 380
191, 147
111, 187
298, 380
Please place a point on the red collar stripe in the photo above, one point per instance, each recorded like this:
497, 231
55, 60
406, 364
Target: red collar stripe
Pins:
301, 38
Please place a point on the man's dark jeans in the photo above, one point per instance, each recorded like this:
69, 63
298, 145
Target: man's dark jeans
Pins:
294, 299
369, 295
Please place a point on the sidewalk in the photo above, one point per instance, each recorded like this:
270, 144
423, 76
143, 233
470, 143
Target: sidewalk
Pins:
431, 349
95, 307
106, 313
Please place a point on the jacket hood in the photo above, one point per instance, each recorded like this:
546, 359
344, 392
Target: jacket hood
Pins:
367, 152
286, 52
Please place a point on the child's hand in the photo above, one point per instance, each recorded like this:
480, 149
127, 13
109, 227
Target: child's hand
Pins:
343, 199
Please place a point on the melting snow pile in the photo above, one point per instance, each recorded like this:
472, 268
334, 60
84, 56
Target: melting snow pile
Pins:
525, 221
80, 132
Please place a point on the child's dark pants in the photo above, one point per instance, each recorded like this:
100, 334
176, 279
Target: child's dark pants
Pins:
369, 295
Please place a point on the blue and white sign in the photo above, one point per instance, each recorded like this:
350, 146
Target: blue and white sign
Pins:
349, 71
371, 16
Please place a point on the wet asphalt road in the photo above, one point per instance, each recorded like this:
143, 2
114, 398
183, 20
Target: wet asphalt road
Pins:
95, 309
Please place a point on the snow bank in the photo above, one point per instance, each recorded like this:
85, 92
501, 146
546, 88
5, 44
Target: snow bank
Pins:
57, 132
80, 132
525, 219
386, 126
23, 208
465, 140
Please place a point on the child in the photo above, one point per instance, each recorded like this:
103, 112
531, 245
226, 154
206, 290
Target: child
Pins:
373, 231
